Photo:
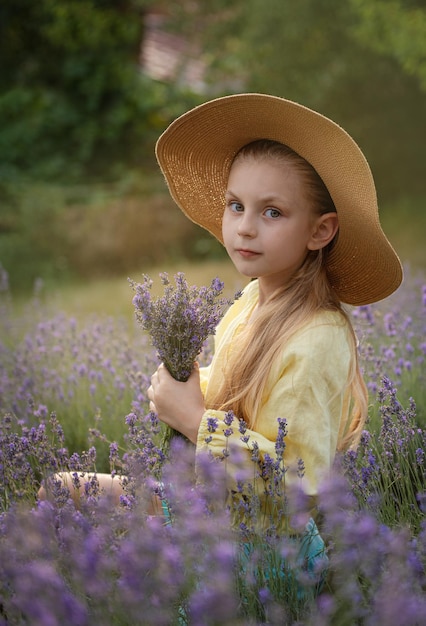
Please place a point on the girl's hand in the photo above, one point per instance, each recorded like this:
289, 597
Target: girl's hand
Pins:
180, 405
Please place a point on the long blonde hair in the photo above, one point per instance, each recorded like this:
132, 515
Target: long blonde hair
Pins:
288, 309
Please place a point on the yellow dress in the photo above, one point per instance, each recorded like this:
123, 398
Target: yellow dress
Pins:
307, 386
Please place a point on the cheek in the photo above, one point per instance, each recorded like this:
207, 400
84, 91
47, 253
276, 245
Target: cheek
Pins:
227, 237
225, 227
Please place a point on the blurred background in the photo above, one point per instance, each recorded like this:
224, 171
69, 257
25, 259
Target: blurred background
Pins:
87, 86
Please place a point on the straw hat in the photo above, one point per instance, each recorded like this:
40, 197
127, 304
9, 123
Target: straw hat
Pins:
196, 151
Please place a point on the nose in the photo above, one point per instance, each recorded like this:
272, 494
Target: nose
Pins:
247, 225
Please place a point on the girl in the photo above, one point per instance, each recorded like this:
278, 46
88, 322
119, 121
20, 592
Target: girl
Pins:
291, 197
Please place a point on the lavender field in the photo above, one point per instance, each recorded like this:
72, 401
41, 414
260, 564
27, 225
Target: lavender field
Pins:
73, 398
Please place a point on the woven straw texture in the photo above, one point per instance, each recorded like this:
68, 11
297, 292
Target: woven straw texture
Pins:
196, 151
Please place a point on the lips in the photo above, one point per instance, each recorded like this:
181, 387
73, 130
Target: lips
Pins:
247, 254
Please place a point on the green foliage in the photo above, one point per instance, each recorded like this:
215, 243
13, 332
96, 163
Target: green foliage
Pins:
59, 233
75, 106
45, 133
395, 28
33, 242
73, 100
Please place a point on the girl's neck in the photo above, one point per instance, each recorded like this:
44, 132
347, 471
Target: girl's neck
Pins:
266, 289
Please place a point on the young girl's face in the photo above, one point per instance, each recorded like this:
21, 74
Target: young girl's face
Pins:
268, 224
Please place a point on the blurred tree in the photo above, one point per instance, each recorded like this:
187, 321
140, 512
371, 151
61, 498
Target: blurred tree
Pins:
395, 28
71, 90
74, 107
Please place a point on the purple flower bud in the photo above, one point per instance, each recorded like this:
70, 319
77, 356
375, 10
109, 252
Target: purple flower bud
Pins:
212, 424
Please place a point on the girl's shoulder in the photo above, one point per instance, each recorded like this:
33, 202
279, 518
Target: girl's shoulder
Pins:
326, 329
324, 317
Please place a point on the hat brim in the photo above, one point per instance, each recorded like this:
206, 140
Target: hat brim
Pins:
196, 151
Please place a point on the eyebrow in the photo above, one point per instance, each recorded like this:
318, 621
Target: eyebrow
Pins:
267, 198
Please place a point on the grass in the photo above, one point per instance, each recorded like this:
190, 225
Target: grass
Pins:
113, 296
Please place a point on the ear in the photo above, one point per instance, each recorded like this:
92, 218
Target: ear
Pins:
326, 226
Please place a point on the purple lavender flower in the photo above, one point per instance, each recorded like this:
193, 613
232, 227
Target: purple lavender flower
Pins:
229, 418
280, 441
387, 471
300, 468
212, 424
100, 565
420, 456
180, 321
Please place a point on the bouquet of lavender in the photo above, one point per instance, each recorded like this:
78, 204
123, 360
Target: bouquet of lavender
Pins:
179, 322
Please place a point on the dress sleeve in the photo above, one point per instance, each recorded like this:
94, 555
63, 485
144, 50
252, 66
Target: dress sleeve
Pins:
307, 387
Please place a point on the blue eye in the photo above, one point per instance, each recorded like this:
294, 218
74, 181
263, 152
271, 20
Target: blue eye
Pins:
274, 213
236, 207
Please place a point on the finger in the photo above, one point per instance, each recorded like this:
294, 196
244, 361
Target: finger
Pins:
150, 393
160, 370
152, 407
154, 378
